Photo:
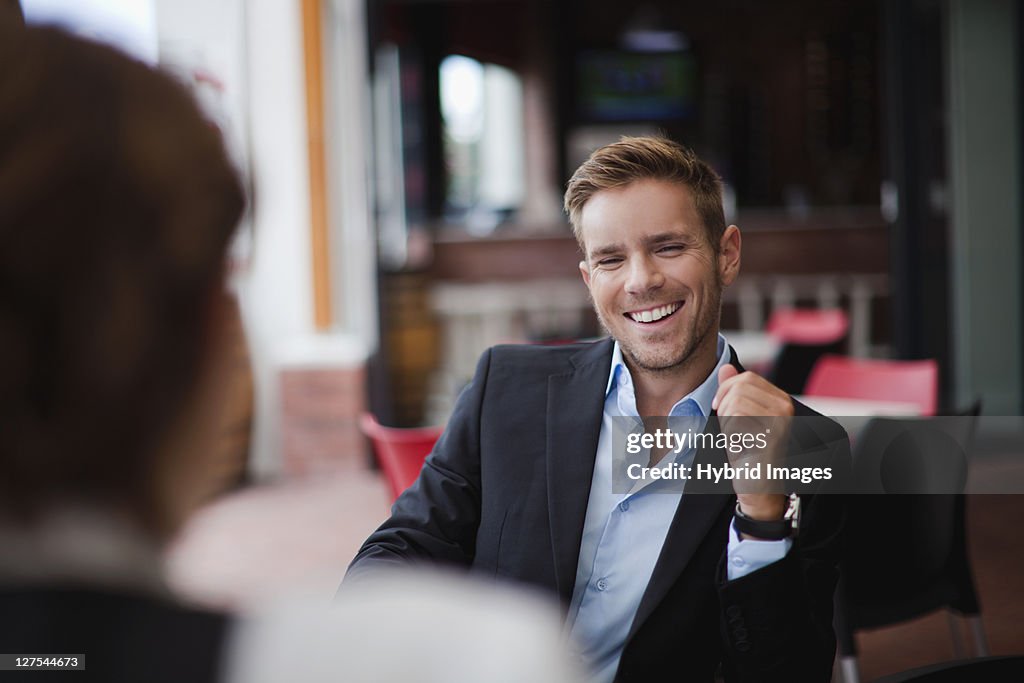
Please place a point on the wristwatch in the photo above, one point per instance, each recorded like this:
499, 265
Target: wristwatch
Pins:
774, 529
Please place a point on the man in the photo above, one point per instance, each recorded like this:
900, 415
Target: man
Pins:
655, 585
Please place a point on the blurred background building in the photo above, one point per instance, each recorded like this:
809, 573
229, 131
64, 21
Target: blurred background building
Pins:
407, 159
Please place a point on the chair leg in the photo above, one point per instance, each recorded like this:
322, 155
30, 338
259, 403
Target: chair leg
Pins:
849, 669
959, 651
978, 631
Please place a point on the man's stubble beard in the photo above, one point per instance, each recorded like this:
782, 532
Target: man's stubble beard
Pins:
680, 361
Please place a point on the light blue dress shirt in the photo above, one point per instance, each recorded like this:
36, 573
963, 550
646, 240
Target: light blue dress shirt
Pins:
623, 532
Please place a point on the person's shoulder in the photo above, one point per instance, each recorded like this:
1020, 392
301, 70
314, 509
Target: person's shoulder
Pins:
186, 639
812, 421
87, 602
550, 357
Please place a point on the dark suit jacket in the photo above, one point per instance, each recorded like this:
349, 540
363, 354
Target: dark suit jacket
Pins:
505, 492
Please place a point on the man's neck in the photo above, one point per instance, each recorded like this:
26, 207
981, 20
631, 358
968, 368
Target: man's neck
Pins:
658, 390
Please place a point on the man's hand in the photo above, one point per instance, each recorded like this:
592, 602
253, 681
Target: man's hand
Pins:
750, 396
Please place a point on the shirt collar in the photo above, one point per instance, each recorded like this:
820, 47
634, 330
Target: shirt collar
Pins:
82, 545
702, 395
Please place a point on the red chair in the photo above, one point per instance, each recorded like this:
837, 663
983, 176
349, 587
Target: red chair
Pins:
914, 381
808, 326
400, 451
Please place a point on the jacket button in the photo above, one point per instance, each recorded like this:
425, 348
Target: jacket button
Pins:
733, 611
742, 645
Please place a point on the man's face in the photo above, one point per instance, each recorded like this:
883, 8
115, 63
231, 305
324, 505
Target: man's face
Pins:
655, 280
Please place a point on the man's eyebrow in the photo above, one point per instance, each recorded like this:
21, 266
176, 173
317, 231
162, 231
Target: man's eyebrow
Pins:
659, 238
669, 237
606, 249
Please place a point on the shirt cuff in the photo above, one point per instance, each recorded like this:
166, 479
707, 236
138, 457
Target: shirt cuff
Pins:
744, 557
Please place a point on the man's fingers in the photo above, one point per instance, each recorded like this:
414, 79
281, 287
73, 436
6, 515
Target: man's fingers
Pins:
749, 394
726, 372
749, 404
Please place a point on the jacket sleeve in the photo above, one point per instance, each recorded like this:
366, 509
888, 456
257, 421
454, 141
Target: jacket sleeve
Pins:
437, 518
776, 622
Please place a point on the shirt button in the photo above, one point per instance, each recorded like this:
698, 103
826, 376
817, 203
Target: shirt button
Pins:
739, 562
602, 584
624, 505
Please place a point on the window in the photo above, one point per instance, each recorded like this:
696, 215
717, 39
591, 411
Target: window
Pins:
482, 114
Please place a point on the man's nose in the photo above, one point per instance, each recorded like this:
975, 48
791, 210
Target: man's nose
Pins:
643, 276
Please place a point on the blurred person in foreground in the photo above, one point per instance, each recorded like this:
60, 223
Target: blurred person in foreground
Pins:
10, 13
656, 584
117, 203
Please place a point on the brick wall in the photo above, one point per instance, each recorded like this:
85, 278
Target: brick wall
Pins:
320, 420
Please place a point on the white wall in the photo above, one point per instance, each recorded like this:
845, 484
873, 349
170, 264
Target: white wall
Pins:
348, 140
128, 24
277, 298
256, 47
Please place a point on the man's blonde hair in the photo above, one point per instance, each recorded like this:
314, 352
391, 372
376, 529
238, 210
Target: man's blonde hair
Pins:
647, 158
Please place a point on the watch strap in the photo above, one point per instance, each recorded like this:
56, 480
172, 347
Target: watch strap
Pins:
768, 530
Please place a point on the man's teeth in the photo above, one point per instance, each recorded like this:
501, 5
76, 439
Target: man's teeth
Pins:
654, 314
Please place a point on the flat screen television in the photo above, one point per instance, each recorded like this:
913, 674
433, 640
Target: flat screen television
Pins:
618, 85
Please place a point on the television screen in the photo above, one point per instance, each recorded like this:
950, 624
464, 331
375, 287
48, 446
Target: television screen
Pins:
635, 86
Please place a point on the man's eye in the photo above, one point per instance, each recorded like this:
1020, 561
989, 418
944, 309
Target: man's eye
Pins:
671, 249
610, 262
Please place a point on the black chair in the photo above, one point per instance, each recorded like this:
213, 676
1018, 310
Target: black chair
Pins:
806, 336
982, 669
794, 363
905, 552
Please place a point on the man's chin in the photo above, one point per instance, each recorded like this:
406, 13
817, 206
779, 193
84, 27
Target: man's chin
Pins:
652, 361
660, 365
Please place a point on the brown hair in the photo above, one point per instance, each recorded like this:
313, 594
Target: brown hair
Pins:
117, 203
656, 158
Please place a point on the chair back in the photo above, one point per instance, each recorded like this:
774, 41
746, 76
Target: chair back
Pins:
808, 326
896, 544
400, 451
914, 382
905, 553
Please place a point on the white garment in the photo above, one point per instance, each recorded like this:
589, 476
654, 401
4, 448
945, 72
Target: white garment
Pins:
407, 625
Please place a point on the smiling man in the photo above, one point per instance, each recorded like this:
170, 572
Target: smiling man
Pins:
656, 583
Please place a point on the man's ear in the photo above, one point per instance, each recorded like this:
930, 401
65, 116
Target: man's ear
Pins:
729, 255
585, 272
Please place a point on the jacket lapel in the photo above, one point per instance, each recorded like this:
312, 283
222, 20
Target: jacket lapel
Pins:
694, 518
574, 410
